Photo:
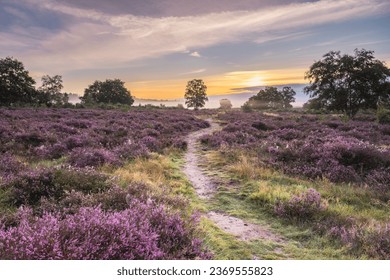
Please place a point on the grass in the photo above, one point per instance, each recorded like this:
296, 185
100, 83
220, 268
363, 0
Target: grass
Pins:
254, 192
247, 190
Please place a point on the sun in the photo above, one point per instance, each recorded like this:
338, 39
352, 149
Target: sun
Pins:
254, 81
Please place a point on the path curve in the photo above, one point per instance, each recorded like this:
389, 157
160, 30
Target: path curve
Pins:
205, 188
199, 180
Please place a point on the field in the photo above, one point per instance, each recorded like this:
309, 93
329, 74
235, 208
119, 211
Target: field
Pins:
179, 184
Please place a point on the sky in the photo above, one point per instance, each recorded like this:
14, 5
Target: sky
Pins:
156, 46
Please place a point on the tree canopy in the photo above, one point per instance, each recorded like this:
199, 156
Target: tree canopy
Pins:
348, 83
272, 98
195, 94
50, 91
225, 104
109, 91
16, 85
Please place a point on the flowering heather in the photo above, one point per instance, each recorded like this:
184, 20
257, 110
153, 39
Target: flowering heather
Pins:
71, 211
301, 207
355, 151
98, 136
9, 165
373, 241
143, 231
91, 157
29, 187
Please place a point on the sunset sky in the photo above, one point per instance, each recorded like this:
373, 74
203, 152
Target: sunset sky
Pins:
156, 46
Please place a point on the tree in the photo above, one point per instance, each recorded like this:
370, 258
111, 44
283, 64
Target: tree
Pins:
109, 91
195, 94
348, 83
225, 104
313, 104
50, 91
16, 85
271, 98
287, 97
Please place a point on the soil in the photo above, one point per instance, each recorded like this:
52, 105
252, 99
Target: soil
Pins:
205, 188
203, 185
241, 229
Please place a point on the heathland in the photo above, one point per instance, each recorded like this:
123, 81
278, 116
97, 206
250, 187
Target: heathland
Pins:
182, 184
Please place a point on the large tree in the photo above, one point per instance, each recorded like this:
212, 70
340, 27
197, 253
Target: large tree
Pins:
16, 85
195, 94
348, 83
50, 91
109, 91
272, 98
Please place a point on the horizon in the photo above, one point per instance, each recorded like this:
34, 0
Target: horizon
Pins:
155, 47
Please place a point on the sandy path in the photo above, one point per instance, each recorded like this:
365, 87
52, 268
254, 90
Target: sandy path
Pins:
202, 183
205, 188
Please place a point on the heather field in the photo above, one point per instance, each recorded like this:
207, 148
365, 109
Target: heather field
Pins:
179, 184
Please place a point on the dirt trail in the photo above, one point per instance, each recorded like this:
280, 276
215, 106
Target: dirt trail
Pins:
205, 188
202, 183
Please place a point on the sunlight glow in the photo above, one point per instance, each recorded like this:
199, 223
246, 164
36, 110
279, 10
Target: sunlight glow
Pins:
254, 81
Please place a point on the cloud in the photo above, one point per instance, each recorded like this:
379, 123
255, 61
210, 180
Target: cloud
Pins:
94, 39
195, 54
198, 71
169, 8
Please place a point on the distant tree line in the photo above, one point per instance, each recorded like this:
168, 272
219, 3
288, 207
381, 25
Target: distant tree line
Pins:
271, 98
337, 83
344, 83
17, 88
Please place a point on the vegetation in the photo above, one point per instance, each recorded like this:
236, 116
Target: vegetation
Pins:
50, 91
108, 184
16, 84
109, 91
195, 94
91, 185
349, 83
331, 194
225, 104
383, 115
271, 98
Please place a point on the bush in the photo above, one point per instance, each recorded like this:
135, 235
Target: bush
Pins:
144, 231
10, 165
130, 151
92, 157
301, 207
112, 200
84, 180
29, 187
379, 180
383, 116
373, 241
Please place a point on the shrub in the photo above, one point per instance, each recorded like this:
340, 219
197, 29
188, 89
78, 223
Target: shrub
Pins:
379, 180
373, 241
151, 143
56, 151
130, 151
301, 207
144, 231
75, 141
180, 143
92, 157
113, 199
9, 165
383, 116
30, 186
81, 179
260, 125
